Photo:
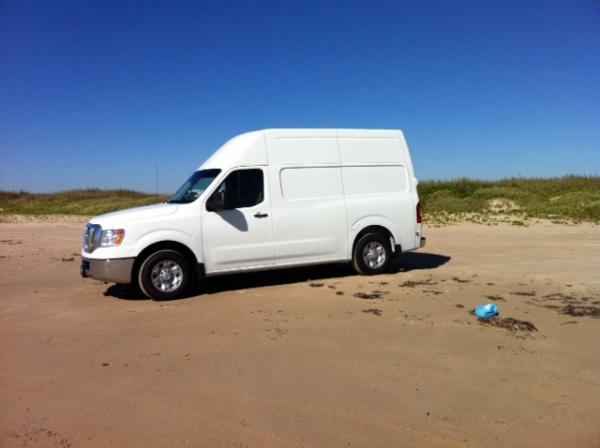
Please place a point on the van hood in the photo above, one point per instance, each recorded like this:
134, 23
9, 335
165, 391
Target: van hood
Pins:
116, 219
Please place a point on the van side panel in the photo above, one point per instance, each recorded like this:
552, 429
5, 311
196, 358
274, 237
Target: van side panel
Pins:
383, 200
358, 147
317, 148
377, 182
377, 179
306, 183
308, 206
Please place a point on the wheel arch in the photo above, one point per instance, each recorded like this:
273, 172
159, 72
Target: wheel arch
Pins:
376, 228
197, 267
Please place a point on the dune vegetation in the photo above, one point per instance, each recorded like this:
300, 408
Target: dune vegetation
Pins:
572, 198
515, 200
88, 202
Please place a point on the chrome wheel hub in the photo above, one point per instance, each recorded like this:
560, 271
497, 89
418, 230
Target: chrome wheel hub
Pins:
167, 276
374, 255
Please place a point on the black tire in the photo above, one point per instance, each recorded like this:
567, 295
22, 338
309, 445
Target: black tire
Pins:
175, 272
378, 243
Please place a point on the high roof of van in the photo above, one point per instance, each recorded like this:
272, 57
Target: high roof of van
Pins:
310, 146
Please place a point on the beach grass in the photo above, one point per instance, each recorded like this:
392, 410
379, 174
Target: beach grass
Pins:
572, 198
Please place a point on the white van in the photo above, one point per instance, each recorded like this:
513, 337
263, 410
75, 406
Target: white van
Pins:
267, 199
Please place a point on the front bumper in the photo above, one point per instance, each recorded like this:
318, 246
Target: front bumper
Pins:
115, 270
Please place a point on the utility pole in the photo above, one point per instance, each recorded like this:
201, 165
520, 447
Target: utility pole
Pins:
157, 184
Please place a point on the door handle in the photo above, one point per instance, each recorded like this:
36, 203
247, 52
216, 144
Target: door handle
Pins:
260, 215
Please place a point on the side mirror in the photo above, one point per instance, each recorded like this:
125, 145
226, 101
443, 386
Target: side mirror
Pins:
216, 202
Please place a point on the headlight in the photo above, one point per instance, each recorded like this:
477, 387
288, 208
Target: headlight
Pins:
112, 238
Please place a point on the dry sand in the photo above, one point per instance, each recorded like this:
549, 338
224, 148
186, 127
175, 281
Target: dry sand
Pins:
294, 358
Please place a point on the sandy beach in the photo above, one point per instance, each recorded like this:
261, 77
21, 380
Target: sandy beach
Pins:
312, 357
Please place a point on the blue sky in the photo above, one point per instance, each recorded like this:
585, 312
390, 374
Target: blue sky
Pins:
98, 93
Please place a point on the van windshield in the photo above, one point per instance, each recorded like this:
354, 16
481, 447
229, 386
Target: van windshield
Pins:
194, 186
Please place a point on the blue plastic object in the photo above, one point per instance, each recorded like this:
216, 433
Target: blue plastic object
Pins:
486, 311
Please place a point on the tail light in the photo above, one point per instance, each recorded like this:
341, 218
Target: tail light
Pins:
419, 213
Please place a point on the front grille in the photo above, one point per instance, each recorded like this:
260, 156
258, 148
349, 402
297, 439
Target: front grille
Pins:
91, 237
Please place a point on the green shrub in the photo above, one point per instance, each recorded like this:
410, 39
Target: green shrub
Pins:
573, 197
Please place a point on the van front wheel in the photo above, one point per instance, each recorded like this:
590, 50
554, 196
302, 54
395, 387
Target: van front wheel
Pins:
164, 275
371, 254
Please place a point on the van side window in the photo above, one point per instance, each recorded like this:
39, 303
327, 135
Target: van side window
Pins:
243, 188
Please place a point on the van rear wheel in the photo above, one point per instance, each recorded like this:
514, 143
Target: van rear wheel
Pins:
164, 275
372, 254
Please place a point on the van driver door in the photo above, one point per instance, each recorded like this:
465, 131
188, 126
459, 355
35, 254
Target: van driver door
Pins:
237, 231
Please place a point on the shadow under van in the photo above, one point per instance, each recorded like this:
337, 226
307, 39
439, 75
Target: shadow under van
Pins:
406, 262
